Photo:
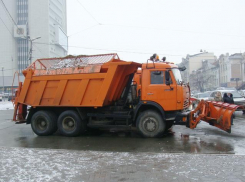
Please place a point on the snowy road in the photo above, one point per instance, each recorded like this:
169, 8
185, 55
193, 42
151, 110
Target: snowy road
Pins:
203, 154
20, 164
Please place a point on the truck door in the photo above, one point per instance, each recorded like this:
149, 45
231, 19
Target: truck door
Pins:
154, 88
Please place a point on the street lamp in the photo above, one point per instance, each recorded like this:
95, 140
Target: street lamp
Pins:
31, 40
30, 54
3, 82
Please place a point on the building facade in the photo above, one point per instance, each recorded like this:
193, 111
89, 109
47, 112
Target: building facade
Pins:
31, 29
205, 78
226, 71
232, 70
193, 63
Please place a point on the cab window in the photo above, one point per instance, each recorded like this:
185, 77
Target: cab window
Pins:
157, 77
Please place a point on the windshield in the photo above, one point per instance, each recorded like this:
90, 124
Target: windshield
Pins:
177, 76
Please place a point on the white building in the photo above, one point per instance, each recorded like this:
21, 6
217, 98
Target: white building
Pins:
193, 63
25, 20
232, 69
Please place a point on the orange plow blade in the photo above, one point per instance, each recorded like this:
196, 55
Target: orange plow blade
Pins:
217, 114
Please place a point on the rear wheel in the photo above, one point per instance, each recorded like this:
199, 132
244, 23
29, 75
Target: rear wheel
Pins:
70, 124
44, 123
150, 124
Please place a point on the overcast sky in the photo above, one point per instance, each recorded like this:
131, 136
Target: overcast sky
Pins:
135, 29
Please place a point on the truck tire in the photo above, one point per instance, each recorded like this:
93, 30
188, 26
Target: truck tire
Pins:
70, 124
44, 123
150, 124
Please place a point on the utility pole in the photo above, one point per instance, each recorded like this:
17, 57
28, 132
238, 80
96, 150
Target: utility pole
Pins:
30, 54
31, 50
3, 82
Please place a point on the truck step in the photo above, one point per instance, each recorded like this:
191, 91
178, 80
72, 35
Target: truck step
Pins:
115, 115
121, 127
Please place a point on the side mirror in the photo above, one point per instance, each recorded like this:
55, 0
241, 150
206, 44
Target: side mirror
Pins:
167, 77
182, 68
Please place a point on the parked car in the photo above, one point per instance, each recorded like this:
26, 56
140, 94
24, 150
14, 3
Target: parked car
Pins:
238, 98
209, 92
10, 98
202, 96
226, 88
1, 98
242, 92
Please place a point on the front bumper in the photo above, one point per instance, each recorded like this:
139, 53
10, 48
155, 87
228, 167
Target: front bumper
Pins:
182, 118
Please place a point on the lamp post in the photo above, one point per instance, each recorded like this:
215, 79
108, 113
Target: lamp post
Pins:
3, 82
30, 54
31, 42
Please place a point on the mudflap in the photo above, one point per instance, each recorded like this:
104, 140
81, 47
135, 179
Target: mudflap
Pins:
20, 112
217, 114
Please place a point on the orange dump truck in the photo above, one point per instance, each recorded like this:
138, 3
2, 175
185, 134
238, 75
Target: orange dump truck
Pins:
76, 93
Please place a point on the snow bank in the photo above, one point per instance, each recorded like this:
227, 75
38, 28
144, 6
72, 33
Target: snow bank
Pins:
6, 105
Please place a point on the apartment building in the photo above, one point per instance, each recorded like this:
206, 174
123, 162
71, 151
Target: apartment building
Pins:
30, 29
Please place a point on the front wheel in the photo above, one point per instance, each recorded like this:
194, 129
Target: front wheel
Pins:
150, 124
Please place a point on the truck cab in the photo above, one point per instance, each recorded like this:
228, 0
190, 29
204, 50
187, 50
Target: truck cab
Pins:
161, 90
163, 85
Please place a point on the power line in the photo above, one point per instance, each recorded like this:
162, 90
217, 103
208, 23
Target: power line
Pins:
88, 12
38, 50
6, 26
83, 30
154, 28
9, 69
115, 50
133, 52
8, 13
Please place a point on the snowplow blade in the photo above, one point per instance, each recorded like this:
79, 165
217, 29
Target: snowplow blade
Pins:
217, 114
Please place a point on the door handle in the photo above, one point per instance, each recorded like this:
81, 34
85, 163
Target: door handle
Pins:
149, 93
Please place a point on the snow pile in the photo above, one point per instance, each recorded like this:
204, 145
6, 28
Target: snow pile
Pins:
68, 63
6, 105
81, 61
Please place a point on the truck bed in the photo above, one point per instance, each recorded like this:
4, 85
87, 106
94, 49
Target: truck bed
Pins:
89, 85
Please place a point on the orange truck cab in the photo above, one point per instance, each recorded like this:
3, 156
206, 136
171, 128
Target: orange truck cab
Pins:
76, 93
161, 84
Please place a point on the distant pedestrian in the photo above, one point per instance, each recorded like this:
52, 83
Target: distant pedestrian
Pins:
228, 98
218, 97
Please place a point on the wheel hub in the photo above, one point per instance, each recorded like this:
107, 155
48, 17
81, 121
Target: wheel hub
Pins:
150, 124
71, 124
43, 123
68, 123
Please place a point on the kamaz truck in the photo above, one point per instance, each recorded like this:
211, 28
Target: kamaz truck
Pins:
76, 93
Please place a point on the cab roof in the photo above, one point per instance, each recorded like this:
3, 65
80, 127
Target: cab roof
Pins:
159, 65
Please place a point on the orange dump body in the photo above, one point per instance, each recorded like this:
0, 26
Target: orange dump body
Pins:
98, 81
